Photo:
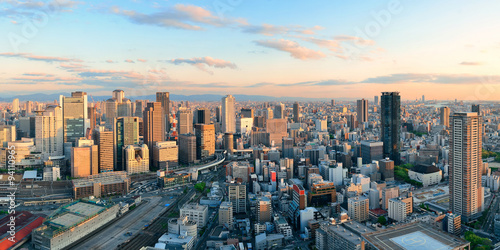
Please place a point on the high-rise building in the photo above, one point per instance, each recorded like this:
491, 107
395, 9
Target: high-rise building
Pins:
205, 140
228, 142
287, 147
154, 124
92, 115
466, 193
226, 215
423, 98
74, 116
247, 113
237, 194
387, 194
105, 141
164, 99
202, 116
362, 111
139, 108
264, 210
371, 151
165, 155
111, 111
375, 100
126, 131
476, 108
444, 116
277, 129
136, 159
386, 167
279, 111
390, 124
49, 136
228, 114
296, 112
187, 148
400, 207
7, 134
195, 212
84, 159
218, 117
357, 208
185, 121
15, 105
333, 103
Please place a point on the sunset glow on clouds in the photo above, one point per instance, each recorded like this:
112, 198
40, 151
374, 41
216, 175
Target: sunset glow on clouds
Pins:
325, 49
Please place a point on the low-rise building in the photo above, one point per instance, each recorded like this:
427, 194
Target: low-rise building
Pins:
195, 212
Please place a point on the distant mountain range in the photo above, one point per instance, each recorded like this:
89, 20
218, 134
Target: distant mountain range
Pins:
173, 97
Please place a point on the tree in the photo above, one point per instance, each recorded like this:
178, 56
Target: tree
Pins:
200, 187
382, 220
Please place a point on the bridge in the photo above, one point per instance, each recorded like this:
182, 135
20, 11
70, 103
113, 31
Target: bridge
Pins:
220, 158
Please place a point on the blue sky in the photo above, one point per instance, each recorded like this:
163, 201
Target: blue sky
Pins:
445, 50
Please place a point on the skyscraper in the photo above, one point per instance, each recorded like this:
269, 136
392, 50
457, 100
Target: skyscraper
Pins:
375, 100
92, 115
444, 116
296, 112
237, 194
287, 147
358, 208
74, 116
154, 124
466, 193
15, 105
164, 99
49, 136
228, 114
423, 98
202, 116
362, 110
187, 148
476, 108
390, 124
105, 141
185, 121
205, 140
264, 210
247, 113
126, 132
279, 111
84, 159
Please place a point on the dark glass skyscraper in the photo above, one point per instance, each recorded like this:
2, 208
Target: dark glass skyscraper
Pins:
390, 127
164, 99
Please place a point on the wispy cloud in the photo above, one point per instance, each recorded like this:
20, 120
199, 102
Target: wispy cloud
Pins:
433, 78
292, 47
202, 62
129, 61
471, 63
32, 57
180, 16
142, 60
271, 30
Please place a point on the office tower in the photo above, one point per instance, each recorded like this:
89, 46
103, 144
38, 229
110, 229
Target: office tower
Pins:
105, 141
371, 151
153, 124
126, 131
111, 111
187, 148
205, 140
136, 159
244, 125
333, 103
202, 116
228, 114
287, 165
165, 155
7, 134
247, 113
287, 147
299, 196
185, 121
164, 99
124, 108
362, 111
322, 192
15, 105
49, 136
387, 194
296, 112
444, 116
218, 117
264, 210
84, 159
74, 116
476, 108
277, 130
357, 208
321, 125
92, 115
386, 167
237, 194
226, 215
279, 111
390, 124
139, 108
118, 95
375, 100
29, 107
423, 98
228, 142
466, 193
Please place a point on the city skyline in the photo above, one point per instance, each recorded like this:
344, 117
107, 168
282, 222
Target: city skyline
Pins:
334, 51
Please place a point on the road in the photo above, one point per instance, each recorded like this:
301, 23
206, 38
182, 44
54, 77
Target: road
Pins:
133, 222
488, 223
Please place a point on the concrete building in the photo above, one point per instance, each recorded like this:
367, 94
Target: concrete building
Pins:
444, 116
195, 212
166, 154
264, 210
466, 193
136, 159
7, 134
374, 196
371, 151
362, 111
237, 194
185, 121
183, 225
154, 124
105, 141
386, 167
75, 113
84, 160
226, 215
202, 116
164, 99
358, 208
49, 134
277, 130
426, 174
187, 149
175, 241
387, 194
102, 184
296, 112
205, 140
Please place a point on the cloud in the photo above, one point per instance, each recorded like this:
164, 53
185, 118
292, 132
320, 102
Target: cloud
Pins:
355, 39
295, 50
110, 61
471, 63
180, 16
129, 61
18, 11
271, 30
142, 60
202, 62
32, 57
434, 78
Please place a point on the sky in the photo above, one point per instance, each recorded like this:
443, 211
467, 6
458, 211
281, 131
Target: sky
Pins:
444, 50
